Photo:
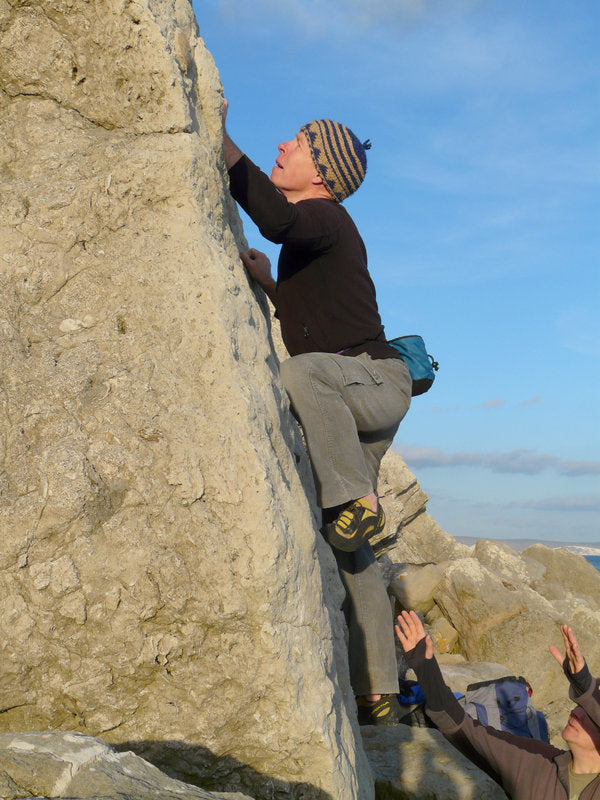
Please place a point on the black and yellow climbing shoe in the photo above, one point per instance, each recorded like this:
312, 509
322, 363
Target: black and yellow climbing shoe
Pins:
385, 711
354, 526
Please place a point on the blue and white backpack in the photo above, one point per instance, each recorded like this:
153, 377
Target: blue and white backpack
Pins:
505, 704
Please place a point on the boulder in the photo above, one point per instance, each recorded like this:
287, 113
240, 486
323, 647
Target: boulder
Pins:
586, 624
164, 583
75, 766
433, 544
507, 563
420, 538
563, 574
419, 764
414, 587
562, 581
402, 552
504, 624
443, 635
433, 614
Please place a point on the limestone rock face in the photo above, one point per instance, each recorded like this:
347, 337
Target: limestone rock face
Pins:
163, 581
76, 766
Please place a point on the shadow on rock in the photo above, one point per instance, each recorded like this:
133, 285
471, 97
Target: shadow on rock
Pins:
218, 773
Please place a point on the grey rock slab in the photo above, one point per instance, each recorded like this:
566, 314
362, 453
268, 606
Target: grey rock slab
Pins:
419, 764
68, 765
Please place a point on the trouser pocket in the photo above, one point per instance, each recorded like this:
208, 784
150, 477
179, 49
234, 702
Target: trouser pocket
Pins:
357, 370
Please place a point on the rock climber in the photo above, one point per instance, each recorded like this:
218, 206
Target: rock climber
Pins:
348, 388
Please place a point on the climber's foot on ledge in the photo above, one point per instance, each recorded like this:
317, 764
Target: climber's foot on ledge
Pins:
355, 525
385, 711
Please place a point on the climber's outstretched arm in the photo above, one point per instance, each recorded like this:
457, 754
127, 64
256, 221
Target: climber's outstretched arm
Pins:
231, 151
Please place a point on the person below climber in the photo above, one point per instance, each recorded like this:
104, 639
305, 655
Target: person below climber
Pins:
347, 386
527, 769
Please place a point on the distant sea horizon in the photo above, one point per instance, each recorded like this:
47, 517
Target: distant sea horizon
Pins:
595, 560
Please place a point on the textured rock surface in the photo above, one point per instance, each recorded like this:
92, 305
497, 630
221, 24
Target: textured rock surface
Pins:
443, 635
506, 563
564, 575
502, 624
419, 764
163, 582
414, 588
76, 766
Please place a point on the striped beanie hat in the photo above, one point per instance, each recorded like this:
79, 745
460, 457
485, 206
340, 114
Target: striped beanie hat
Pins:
339, 157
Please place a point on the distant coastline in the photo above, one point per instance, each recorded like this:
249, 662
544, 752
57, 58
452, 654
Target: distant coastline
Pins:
582, 549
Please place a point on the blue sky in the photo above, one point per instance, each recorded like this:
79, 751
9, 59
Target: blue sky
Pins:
480, 212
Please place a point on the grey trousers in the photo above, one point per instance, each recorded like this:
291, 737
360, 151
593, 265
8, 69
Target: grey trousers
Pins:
350, 408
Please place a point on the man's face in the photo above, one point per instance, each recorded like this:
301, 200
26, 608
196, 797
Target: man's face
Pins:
581, 731
294, 169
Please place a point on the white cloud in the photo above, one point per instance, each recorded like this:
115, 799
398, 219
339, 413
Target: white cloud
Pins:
324, 19
493, 402
564, 504
523, 462
571, 519
531, 401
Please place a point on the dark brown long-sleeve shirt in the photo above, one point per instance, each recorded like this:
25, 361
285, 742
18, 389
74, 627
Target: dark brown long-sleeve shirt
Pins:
325, 297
